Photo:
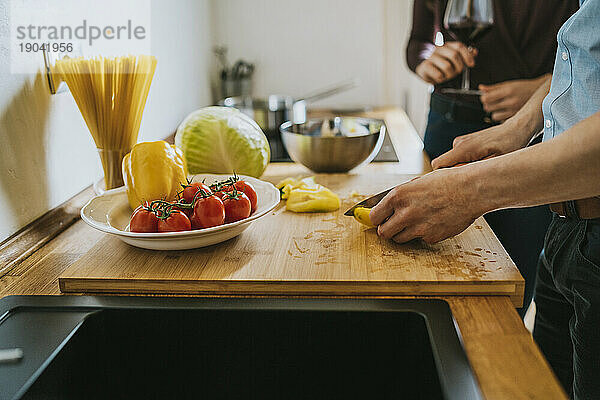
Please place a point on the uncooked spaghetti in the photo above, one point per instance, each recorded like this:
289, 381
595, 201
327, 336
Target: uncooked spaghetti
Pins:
111, 94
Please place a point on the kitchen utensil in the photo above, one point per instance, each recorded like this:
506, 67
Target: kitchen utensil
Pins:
237, 80
269, 113
242, 69
299, 108
272, 111
333, 145
368, 203
221, 53
110, 213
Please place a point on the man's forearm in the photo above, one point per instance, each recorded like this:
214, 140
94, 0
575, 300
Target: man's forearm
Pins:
564, 168
529, 119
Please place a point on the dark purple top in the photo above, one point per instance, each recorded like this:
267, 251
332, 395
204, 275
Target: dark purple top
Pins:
520, 45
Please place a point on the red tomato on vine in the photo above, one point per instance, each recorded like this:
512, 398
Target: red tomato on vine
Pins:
143, 220
237, 206
174, 221
208, 212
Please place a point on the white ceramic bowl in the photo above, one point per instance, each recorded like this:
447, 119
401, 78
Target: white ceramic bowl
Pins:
110, 213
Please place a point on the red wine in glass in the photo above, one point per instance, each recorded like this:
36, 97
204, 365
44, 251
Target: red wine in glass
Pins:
468, 32
467, 21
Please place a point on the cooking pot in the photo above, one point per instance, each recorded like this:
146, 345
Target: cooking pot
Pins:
273, 110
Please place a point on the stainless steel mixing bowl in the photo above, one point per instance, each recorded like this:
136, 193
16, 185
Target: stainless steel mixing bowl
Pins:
333, 145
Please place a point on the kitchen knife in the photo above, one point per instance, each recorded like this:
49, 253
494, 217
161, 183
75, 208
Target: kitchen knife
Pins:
368, 203
374, 200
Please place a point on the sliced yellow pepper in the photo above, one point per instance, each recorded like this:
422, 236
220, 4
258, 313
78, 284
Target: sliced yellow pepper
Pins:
152, 171
361, 214
305, 195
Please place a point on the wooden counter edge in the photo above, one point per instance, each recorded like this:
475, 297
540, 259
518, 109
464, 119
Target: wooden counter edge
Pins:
514, 290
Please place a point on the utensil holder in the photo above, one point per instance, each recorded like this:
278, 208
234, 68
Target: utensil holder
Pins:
231, 87
112, 160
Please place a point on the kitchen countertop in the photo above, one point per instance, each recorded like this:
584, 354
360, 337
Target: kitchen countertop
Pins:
307, 254
506, 361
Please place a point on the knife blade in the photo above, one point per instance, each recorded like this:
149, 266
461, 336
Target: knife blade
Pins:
368, 203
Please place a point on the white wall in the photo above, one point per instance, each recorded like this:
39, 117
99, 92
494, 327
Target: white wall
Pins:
301, 45
403, 87
46, 152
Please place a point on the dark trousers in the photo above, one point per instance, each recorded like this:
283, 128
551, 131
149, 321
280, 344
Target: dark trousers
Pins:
521, 231
567, 298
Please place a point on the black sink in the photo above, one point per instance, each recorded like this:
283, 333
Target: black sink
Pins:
132, 347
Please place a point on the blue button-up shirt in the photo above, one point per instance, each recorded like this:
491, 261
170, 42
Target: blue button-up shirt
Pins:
575, 91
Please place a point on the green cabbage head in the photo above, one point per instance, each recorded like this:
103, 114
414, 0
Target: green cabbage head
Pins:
222, 140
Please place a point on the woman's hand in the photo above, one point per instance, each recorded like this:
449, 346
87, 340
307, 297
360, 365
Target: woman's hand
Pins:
504, 99
446, 62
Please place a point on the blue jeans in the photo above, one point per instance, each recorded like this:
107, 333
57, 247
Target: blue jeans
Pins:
521, 230
567, 298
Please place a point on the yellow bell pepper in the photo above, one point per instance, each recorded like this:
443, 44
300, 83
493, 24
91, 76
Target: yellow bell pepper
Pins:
305, 195
361, 214
152, 171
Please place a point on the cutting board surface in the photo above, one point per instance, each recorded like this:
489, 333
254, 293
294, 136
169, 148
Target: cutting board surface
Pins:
287, 253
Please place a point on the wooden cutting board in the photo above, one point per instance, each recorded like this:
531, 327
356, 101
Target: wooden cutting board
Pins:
286, 253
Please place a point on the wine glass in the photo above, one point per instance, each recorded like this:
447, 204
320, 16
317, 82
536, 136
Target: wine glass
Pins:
467, 21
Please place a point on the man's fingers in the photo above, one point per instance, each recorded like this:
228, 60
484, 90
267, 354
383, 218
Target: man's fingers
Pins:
465, 149
382, 211
406, 235
451, 158
392, 226
459, 139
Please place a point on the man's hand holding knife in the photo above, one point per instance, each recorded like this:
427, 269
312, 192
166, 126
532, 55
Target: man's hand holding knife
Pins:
446, 201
